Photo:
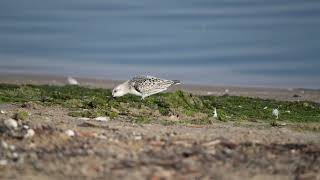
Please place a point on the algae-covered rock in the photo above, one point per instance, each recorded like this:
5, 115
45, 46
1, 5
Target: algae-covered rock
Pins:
21, 115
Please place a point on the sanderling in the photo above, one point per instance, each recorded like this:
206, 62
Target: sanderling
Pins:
72, 81
143, 86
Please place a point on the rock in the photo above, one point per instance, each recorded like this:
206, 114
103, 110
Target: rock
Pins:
3, 162
11, 123
84, 118
12, 147
101, 118
70, 133
4, 145
174, 118
21, 115
30, 133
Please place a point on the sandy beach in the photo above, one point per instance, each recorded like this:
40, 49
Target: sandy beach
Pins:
66, 147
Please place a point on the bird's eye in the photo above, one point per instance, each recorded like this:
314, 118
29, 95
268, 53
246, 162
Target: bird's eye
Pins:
115, 91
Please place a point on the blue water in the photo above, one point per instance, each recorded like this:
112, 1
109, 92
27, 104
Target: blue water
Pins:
274, 43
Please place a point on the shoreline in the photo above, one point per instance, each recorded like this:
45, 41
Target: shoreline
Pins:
298, 94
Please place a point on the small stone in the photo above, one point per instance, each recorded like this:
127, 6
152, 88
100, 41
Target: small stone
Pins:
15, 155
11, 123
4, 145
3, 162
12, 147
70, 133
84, 118
25, 127
101, 118
173, 118
21, 115
30, 133
137, 137
2, 111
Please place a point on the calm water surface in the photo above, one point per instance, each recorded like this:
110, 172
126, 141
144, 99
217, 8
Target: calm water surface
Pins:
273, 43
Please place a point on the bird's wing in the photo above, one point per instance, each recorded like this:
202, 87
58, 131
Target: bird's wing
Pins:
149, 84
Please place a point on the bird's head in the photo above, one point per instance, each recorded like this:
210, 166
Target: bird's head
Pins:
120, 90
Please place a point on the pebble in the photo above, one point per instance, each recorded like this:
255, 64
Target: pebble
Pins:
30, 133
101, 118
15, 155
84, 118
2, 111
25, 127
137, 137
3, 162
4, 145
12, 147
11, 123
70, 133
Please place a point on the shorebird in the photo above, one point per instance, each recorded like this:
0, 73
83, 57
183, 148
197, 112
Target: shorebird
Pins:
72, 81
143, 86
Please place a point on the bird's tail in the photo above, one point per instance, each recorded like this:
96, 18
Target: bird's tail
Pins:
176, 82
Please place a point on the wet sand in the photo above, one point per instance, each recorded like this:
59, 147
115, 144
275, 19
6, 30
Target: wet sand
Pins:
65, 147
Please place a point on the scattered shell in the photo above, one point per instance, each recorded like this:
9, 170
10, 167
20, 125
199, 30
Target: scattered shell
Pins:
288, 111
2, 111
266, 107
30, 133
215, 114
25, 127
3, 162
70, 133
11, 123
72, 81
101, 118
84, 118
